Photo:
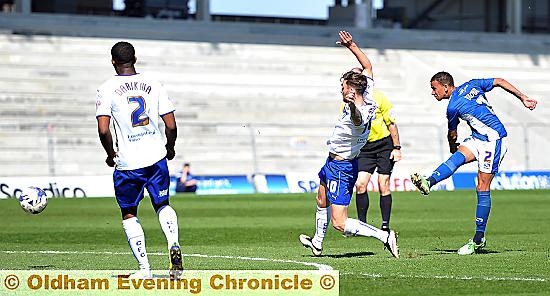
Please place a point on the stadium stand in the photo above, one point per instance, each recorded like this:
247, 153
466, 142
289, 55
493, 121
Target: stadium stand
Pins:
249, 97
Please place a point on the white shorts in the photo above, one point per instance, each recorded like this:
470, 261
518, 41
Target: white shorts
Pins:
489, 155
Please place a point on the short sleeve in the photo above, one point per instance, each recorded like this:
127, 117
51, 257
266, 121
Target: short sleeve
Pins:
165, 104
484, 84
385, 107
102, 104
452, 118
369, 110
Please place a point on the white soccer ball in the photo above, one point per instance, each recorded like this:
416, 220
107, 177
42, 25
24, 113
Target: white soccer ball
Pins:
33, 200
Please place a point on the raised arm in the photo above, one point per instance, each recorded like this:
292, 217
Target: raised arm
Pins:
529, 103
347, 40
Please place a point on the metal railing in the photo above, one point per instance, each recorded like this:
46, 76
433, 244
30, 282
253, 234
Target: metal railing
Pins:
38, 149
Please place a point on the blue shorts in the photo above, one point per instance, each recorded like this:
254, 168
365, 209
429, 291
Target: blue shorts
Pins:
340, 177
130, 184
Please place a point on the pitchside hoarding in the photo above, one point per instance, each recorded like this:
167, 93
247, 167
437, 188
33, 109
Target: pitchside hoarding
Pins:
102, 186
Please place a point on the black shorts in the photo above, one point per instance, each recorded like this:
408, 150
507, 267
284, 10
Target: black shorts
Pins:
376, 156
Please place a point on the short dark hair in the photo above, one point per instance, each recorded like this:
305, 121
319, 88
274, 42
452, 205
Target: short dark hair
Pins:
123, 53
356, 80
443, 78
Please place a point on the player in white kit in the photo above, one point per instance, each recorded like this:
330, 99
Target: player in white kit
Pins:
135, 102
339, 174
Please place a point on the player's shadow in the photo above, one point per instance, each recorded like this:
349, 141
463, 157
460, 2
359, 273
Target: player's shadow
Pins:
348, 255
42, 267
447, 251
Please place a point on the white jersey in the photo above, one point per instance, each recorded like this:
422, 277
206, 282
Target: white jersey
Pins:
347, 139
135, 103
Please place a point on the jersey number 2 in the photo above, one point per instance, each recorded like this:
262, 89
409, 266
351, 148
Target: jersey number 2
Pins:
138, 115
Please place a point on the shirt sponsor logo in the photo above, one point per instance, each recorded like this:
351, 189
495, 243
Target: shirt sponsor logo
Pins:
473, 93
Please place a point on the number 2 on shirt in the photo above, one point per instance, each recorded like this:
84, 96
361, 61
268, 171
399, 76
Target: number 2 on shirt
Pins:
138, 115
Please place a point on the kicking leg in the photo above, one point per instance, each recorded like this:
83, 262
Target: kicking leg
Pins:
350, 226
444, 171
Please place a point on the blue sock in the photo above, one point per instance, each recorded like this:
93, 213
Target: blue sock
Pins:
482, 214
446, 169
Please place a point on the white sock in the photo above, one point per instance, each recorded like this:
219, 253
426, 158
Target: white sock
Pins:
136, 240
169, 224
321, 223
356, 227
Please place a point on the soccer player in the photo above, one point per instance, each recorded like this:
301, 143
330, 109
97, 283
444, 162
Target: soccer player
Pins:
338, 175
135, 102
487, 143
380, 153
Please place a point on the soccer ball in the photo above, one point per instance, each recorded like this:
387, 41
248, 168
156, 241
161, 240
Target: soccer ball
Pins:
33, 200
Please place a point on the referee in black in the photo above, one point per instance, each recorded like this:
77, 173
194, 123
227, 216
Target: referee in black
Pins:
380, 153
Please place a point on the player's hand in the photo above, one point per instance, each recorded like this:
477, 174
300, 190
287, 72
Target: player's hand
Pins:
453, 147
349, 98
345, 39
395, 155
529, 103
110, 161
170, 153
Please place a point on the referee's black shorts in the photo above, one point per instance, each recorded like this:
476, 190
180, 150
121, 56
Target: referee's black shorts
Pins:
376, 156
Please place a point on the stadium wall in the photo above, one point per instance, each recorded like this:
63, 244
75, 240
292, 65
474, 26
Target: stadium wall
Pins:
48, 78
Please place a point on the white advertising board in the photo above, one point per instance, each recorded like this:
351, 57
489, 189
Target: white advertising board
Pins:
69, 187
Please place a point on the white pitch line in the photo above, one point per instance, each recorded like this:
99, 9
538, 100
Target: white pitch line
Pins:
319, 266
450, 277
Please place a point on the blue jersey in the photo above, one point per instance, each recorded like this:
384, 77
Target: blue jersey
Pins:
468, 102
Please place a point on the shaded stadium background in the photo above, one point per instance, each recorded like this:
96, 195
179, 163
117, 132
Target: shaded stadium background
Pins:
256, 96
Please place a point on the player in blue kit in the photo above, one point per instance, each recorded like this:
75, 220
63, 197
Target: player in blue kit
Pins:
135, 102
339, 174
487, 143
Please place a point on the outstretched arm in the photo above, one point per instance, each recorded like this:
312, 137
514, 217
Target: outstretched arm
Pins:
347, 40
529, 103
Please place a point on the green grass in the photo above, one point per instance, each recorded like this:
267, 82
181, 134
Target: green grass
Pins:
267, 226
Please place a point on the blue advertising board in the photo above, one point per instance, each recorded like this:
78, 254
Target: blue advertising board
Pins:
296, 182
506, 180
233, 184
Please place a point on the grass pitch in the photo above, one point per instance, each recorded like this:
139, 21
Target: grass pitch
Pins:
229, 230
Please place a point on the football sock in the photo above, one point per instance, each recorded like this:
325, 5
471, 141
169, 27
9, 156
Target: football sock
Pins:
322, 217
136, 240
362, 205
385, 210
478, 236
482, 213
169, 224
446, 169
356, 227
